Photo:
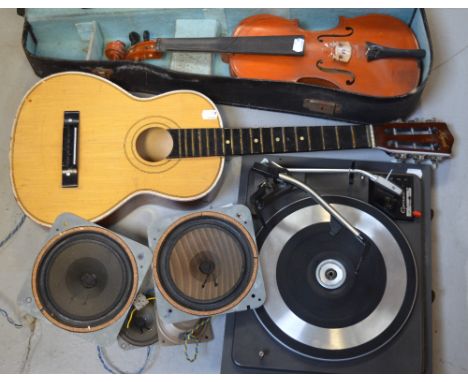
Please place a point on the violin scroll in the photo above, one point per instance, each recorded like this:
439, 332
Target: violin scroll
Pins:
115, 50
138, 50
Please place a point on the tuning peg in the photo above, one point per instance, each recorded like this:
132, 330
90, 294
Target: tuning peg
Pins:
401, 157
411, 159
134, 38
435, 162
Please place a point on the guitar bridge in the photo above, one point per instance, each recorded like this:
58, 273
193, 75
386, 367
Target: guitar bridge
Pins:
71, 123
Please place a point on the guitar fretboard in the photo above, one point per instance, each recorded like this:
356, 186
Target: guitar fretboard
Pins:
189, 143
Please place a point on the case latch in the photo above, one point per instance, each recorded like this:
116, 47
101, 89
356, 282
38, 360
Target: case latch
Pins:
323, 107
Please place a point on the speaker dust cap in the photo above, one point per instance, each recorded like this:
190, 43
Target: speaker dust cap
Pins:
205, 263
84, 279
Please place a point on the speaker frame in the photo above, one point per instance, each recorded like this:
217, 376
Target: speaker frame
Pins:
68, 224
170, 310
170, 335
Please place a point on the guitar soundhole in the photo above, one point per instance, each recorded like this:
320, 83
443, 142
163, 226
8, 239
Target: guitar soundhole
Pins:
154, 144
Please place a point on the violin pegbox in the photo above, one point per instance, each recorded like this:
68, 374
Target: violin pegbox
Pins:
428, 140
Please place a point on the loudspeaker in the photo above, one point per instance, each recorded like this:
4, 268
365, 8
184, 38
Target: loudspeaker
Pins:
140, 326
85, 279
205, 263
144, 327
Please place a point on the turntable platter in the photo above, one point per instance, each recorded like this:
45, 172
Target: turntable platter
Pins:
329, 297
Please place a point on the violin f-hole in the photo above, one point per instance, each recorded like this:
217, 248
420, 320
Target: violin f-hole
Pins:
337, 71
322, 36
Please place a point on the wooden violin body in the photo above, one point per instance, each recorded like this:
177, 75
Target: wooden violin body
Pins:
375, 55
336, 57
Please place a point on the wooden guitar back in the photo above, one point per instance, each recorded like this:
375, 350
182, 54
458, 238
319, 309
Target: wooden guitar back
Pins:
111, 168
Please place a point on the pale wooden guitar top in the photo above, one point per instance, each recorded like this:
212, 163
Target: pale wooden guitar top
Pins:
111, 169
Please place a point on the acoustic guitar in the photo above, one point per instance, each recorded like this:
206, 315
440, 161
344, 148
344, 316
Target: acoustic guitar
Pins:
83, 145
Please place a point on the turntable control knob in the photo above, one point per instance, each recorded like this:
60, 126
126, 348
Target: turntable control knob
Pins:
417, 214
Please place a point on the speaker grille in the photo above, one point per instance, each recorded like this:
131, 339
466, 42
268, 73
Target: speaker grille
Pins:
205, 263
84, 279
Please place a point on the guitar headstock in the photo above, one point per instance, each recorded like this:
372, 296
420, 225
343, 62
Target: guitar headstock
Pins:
415, 140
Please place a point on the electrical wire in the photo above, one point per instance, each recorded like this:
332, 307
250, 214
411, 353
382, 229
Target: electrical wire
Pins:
10, 320
190, 335
13, 231
103, 362
114, 370
134, 310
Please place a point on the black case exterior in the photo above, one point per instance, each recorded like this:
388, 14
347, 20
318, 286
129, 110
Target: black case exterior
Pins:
285, 97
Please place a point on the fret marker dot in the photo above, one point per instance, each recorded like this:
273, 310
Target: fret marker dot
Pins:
228, 141
277, 139
256, 140
301, 138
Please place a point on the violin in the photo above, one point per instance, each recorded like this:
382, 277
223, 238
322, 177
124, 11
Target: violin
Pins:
375, 55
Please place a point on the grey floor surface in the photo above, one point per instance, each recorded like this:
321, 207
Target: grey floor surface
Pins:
42, 348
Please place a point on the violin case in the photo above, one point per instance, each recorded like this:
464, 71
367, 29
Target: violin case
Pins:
57, 40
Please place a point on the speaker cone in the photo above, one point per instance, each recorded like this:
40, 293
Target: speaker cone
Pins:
84, 279
205, 263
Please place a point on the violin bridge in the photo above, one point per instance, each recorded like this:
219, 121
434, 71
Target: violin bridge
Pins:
341, 51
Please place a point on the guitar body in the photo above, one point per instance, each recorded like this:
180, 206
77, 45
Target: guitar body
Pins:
113, 165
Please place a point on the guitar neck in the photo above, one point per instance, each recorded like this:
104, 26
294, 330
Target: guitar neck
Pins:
271, 45
189, 143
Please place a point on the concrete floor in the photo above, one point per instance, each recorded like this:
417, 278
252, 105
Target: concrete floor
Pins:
42, 348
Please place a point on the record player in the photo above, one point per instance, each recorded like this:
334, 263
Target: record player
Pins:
335, 305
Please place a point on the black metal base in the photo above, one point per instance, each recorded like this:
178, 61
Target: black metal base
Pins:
250, 348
